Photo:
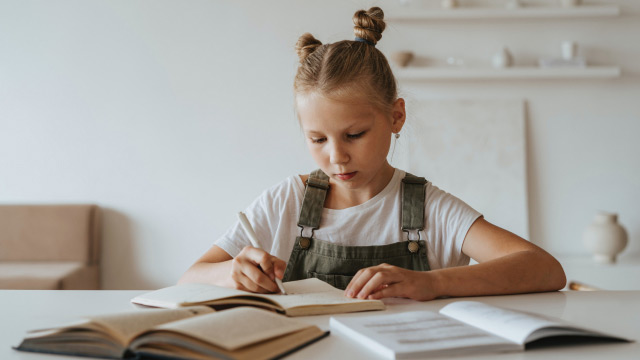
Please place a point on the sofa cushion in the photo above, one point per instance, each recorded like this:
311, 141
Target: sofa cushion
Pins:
36, 275
49, 233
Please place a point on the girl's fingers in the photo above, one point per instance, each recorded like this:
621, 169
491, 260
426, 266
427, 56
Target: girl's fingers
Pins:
372, 279
246, 271
260, 268
249, 285
385, 291
266, 264
361, 278
355, 282
257, 276
378, 280
270, 265
279, 267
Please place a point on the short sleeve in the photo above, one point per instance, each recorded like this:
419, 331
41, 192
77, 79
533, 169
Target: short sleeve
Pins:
448, 220
268, 214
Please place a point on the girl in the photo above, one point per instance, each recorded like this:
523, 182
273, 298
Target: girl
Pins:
357, 222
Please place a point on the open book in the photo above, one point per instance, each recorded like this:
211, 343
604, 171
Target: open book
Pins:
189, 333
305, 297
460, 328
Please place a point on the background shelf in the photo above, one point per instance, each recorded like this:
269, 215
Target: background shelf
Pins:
504, 13
446, 73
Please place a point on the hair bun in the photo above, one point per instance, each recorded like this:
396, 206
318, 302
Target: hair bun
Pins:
306, 45
369, 24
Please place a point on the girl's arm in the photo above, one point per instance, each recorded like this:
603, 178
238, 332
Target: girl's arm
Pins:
213, 267
507, 264
252, 270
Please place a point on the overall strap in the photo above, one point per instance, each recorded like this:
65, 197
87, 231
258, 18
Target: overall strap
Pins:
314, 195
413, 188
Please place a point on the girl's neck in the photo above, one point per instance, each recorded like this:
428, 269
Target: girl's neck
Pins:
341, 197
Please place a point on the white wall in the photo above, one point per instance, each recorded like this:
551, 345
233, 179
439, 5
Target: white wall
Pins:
174, 115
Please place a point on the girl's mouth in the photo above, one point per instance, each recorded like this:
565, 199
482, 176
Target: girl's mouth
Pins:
346, 176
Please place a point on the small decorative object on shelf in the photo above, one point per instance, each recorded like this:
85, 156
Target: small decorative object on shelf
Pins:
513, 4
402, 58
570, 3
605, 237
502, 59
449, 4
570, 58
455, 61
569, 50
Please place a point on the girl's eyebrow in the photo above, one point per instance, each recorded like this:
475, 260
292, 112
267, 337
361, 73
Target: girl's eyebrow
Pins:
320, 133
348, 128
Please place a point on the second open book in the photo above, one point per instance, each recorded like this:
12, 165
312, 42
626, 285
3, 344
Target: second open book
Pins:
305, 297
196, 332
460, 328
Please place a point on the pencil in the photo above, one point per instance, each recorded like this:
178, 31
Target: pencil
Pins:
574, 285
246, 225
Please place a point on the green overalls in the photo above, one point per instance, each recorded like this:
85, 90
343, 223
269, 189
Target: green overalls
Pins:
337, 264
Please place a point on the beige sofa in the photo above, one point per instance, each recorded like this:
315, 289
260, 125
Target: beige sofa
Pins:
49, 247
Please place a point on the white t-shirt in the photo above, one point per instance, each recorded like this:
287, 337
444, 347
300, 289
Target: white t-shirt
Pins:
274, 217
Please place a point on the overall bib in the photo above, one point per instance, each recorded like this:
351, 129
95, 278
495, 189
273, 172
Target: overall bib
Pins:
337, 264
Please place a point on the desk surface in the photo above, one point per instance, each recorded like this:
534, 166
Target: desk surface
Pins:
616, 312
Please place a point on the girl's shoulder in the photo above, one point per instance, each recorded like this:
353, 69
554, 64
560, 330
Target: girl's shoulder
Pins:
277, 198
303, 178
439, 201
291, 184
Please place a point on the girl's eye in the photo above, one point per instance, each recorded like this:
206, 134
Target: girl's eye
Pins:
355, 136
318, 140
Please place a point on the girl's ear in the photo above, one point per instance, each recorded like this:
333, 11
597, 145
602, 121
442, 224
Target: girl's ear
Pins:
399, 115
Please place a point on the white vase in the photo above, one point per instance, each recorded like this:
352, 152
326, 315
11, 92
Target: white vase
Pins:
502, 58
569, 49
605, 238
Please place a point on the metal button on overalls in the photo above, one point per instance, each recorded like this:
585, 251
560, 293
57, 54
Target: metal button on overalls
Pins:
305, 242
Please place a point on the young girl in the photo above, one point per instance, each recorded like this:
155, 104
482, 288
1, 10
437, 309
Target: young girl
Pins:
357, 222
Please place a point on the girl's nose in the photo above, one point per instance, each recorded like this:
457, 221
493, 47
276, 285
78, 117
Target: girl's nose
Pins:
338, 155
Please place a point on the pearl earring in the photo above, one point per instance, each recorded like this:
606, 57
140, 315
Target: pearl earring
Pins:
397, 135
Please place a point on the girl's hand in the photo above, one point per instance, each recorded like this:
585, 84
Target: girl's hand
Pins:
255, 270
386, 280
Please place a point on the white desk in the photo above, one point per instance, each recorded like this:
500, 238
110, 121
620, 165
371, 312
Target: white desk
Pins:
616, 312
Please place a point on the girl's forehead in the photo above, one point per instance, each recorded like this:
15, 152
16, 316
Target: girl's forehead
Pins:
316, 106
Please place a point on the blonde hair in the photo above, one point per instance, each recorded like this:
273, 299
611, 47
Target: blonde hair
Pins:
347, 68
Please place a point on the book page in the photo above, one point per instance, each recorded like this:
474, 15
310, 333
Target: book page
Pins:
312, 292
122, 327
513, 325
128, 325
306, 286
237, 327
418, 333
185, 294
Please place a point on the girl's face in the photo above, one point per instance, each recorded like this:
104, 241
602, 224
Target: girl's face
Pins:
350, 140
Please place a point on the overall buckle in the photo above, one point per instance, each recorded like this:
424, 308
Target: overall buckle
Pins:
413, 245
